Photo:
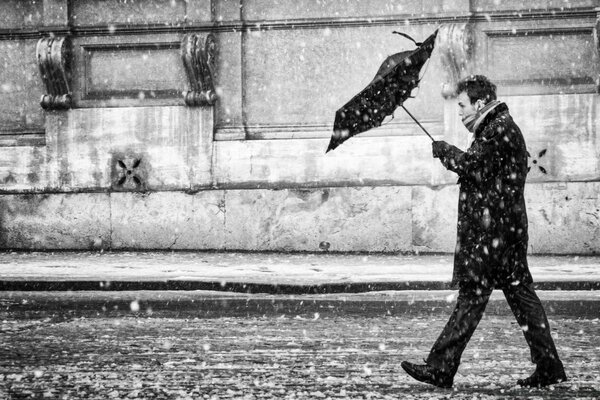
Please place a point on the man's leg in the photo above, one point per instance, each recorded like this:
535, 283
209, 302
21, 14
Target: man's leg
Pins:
530, 315
447, 350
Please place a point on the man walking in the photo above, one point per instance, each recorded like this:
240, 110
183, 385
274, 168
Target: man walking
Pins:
491, 249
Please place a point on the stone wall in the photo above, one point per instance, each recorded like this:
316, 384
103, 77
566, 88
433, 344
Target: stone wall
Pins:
563, 219
131, 164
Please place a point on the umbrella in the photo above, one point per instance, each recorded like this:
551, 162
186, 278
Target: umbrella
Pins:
392, 85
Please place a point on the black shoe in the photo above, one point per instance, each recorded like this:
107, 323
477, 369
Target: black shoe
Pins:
545, 374
428, 374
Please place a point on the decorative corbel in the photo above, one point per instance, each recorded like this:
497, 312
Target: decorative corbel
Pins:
455, 44
199, 55
54, 60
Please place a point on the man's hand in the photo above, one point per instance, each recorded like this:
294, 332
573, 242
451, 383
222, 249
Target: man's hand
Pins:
439, 148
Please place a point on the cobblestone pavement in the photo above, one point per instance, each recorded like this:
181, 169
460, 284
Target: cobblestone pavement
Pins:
136, 353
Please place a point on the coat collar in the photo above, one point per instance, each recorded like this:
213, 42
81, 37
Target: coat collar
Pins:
492, 115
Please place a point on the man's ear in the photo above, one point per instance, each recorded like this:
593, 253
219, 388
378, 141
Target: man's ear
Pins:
479, 105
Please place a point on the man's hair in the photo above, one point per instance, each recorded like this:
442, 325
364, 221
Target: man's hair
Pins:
477, 87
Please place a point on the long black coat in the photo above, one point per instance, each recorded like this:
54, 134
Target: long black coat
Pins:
491, 247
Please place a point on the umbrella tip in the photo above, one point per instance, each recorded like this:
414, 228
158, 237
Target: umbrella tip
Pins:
338, 137
332, 145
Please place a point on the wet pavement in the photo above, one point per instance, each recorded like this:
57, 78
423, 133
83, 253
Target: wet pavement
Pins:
272, 326
214, 345
215, 304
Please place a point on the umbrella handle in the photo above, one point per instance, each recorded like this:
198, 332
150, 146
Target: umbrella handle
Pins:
418, 123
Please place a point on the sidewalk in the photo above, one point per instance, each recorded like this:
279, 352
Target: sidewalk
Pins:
277, 273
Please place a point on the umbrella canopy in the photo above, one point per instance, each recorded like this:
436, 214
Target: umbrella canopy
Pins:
392, 85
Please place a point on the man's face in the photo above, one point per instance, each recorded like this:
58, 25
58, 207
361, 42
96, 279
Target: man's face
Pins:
465, 108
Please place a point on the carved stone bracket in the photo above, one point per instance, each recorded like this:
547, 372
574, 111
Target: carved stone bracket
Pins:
199, 55
456, 45
54, 60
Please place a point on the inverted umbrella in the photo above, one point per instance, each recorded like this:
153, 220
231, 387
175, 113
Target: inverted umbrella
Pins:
392, 85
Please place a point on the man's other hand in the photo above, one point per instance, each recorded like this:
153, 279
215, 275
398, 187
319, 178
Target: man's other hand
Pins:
439, 148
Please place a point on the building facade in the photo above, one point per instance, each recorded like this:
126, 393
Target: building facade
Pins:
197, 124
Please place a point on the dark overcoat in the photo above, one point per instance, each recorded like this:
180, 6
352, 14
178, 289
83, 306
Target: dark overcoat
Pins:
491, 248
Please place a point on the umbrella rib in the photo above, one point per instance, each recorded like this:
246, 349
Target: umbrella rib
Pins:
418, 123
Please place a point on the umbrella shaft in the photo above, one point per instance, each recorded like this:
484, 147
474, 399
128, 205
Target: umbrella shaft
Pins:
418, 123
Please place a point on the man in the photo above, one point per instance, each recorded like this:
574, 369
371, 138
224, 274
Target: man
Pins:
491, 249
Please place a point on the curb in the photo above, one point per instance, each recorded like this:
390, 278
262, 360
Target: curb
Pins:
205, 304
266, 288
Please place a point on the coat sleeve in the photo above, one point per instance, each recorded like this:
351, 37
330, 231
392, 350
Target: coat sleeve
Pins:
469, 163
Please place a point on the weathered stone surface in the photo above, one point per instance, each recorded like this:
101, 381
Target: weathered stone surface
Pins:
18, 14
56, 12
228, 10
495, 5
566, 126
20, 87
335, 219
359, 161
320, 70
55, 221
133, 72
167, 220
24, 168
99, 12
228, 80
307, 9
198, 10
434, 217
174, 143
80, 146
564, 218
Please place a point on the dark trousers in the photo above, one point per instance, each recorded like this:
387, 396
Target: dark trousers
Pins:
470, 306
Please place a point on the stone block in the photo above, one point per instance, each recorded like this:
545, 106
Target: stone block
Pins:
198, 11
577, 160
168, 220
102, 12
307, 9
323, 68
564, 218
24, 168
360, 161
79, 149
174, 145
333, 219
55, 221
228, 10
18, 14
20, 87
56, 13
434, 218
228, 82
555, 117
514, 5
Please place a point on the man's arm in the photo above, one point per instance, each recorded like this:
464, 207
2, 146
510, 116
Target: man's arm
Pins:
464, 163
